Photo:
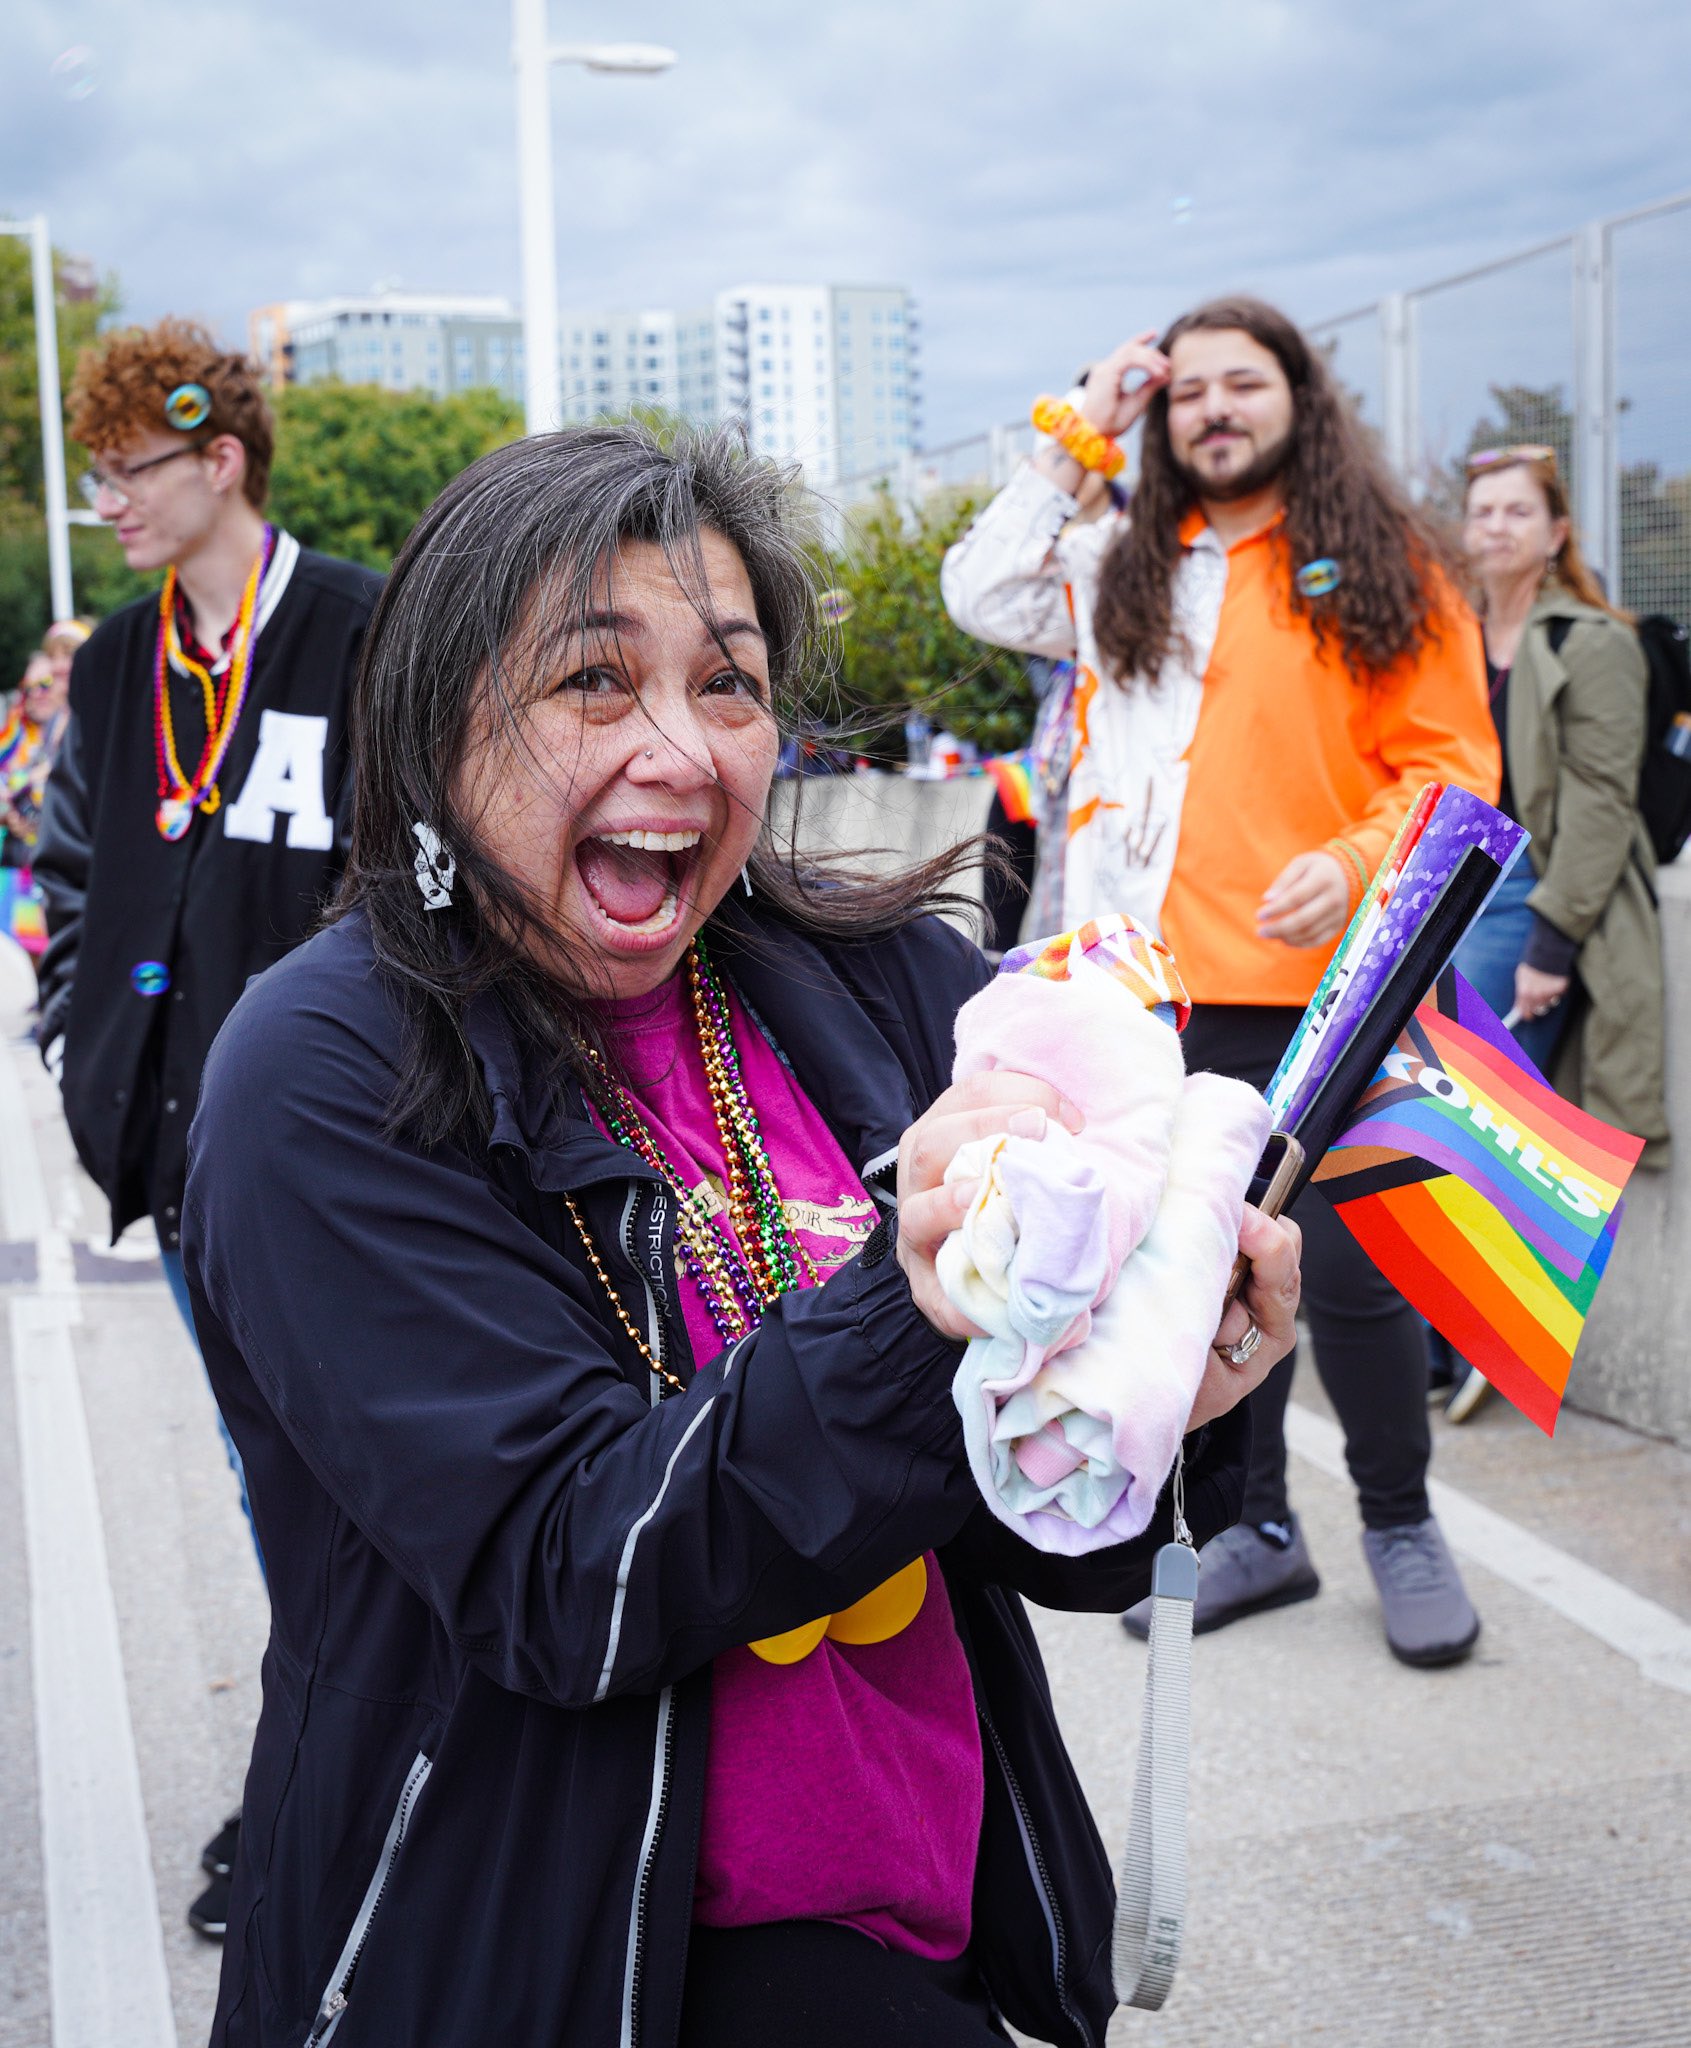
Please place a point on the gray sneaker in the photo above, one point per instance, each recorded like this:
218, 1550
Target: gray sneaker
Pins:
1241, 1573
1429, 1617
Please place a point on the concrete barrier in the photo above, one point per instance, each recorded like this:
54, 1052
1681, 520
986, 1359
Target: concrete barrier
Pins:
1634, 1362
895, 819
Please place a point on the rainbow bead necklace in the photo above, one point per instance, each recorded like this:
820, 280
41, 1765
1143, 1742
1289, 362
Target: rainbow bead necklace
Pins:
180, 797
738, 1280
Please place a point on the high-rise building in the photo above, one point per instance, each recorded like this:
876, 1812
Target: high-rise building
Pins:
824, 375
665, 361
406, 341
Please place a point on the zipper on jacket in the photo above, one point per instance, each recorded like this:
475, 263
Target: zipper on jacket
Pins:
655, 1329
643, 1879
1042, 1875
333, 2006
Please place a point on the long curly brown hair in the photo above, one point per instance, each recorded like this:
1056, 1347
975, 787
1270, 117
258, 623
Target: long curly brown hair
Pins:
1342, 504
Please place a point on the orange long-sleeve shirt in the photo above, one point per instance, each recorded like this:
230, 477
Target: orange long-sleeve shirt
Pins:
1291, 754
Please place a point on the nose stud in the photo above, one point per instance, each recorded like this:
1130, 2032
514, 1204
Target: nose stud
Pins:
651, 753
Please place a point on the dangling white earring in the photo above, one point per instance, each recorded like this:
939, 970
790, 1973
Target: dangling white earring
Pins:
746, 880
436, 869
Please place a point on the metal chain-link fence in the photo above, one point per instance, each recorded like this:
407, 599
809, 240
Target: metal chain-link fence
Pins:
1573, 345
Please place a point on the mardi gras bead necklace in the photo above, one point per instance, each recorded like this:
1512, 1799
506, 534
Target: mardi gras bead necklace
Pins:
755, 1208
663, 1372
740, 1282
180, 797
715, 1268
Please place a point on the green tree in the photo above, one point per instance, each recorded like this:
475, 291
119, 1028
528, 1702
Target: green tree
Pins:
356, 465
25, 600
899, 650
20, 417
1519, 414
1655, 508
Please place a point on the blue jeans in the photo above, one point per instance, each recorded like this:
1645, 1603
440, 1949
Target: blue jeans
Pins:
1488, 956
172, 1264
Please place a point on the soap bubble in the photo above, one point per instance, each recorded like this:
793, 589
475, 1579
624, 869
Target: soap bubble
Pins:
149, 977
72, 71
1181, 210
837, 606
1317, 579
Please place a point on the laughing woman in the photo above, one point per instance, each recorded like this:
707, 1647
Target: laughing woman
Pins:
644, 1668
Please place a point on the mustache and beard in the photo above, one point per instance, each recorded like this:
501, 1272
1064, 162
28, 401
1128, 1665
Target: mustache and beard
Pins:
1264, 467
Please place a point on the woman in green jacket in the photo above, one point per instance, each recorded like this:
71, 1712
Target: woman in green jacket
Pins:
1569, 950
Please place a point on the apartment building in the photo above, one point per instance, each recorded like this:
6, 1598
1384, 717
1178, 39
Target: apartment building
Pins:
404, 341
825, 375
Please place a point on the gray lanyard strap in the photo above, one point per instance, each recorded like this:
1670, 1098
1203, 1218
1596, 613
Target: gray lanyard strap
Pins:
1151, 1890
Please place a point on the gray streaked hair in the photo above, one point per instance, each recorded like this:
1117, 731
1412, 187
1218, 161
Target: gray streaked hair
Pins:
502, 566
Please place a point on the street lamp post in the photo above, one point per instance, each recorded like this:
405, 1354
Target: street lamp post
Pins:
534, 57
52, 416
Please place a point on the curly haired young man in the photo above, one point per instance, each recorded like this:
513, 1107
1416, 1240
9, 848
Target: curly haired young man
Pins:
193, 826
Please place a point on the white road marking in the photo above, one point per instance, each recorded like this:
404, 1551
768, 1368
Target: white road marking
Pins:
106, 1964
1657, 1641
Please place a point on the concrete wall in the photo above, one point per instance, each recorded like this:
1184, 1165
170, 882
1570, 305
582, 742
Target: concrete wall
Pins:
1634, 1363
896, 818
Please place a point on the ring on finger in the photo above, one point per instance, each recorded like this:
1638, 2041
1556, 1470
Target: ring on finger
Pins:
1242, 1352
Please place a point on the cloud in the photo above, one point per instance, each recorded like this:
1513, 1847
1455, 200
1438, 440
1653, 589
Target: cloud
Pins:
1015, 164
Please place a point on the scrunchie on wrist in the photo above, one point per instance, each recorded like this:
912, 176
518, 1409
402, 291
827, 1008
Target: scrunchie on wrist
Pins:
1077, 437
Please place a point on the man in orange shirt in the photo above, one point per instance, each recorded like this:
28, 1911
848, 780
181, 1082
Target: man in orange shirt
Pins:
1271, 662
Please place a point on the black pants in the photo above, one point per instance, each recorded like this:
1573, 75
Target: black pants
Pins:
1006, 895
1370, 1345
812, 1984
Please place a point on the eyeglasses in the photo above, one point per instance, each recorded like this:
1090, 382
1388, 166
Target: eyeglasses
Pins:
120, 483
1525, 451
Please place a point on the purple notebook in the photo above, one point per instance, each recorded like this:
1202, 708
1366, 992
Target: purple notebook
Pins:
1459, 820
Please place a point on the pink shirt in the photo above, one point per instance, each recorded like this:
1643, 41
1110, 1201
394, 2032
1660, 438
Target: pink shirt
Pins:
846, 1786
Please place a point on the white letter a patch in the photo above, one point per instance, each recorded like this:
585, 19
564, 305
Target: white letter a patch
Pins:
285, 780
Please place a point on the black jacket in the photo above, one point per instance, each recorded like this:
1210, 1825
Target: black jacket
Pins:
500, 1565
215, 907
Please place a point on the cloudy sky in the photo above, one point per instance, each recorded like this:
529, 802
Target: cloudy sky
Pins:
1016, 165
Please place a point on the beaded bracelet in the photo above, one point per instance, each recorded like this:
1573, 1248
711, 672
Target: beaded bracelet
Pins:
1337, 846
1078, 437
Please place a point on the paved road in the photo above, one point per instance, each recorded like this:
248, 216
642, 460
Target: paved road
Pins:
1495, 1855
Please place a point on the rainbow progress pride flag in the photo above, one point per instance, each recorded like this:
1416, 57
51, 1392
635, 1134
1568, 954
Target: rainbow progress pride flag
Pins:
1490, 1202
1011, 774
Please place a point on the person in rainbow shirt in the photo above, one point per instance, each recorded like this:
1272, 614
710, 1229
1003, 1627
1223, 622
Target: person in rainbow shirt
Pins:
29, 745
1272, 660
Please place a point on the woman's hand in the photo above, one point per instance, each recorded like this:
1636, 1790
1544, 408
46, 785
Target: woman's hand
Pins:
1269, 1299
1535, 992
1308, 902
928, 1211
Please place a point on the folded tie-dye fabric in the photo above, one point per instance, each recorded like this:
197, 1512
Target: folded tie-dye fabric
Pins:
1096, 1264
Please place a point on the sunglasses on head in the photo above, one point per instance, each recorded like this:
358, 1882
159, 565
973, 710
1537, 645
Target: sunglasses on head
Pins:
1525, 451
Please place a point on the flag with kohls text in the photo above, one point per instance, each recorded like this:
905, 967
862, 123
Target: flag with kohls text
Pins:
1485, 1198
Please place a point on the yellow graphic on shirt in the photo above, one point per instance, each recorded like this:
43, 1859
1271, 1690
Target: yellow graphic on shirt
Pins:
876, 1618
895, 1604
